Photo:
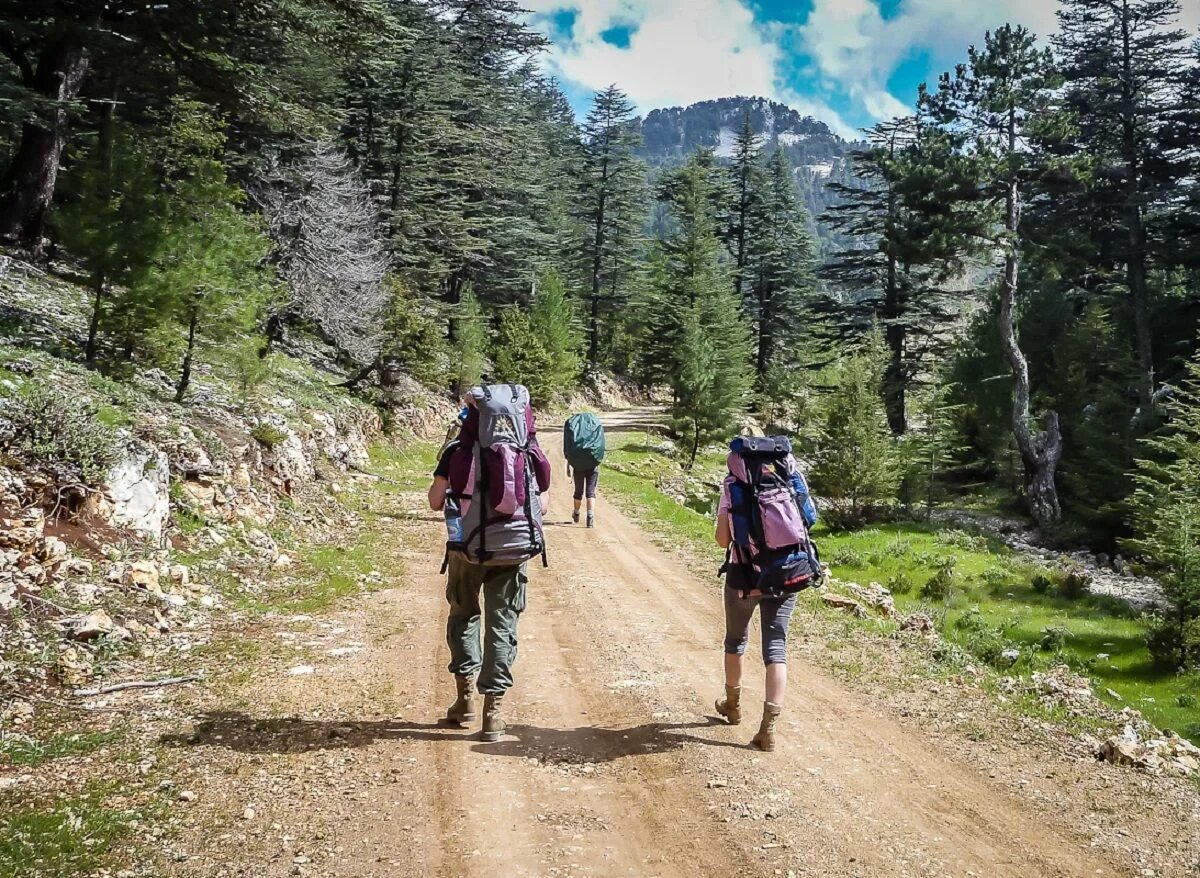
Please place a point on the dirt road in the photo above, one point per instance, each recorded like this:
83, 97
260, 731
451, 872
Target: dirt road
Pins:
614, 765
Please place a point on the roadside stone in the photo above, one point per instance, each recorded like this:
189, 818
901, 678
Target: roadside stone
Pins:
95, 624
144, 574
841, 602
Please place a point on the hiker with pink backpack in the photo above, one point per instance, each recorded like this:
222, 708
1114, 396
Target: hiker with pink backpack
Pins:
495, 480
763, 522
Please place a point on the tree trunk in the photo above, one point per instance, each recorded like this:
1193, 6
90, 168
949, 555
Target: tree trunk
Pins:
89, 352
894, 380
1040, 454
597, 266
1135, 259
185, 374
28, 185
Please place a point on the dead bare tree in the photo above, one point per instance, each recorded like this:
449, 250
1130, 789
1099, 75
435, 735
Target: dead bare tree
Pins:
324, 224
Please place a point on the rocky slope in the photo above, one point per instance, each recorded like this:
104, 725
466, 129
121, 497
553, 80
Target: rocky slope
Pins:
128, 523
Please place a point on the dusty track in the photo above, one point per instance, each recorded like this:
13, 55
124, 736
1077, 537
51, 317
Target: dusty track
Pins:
613, 766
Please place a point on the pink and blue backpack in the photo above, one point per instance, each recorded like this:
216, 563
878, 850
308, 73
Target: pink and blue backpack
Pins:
771, 513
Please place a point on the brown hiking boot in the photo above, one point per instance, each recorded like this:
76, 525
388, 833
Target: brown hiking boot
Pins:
765, 739
493, 722
730, 706
462, 711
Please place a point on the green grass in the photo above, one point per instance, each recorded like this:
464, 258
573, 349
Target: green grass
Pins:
67, 836
32, 751
988, 579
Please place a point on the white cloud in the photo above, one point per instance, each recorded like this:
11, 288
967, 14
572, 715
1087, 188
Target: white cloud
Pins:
680, 51
856, 49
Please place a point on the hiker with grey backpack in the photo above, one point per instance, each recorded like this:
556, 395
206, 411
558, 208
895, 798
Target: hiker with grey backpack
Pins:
763, 522
583, 447
494, 480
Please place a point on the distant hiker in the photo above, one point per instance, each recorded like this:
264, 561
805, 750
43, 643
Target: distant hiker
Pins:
583, 447
498, 475
763, 522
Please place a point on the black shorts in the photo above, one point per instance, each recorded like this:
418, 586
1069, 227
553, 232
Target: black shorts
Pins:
585, 483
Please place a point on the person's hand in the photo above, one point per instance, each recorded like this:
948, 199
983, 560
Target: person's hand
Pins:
544, 500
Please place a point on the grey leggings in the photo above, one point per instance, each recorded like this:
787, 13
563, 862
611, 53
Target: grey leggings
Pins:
585, 483
774, 616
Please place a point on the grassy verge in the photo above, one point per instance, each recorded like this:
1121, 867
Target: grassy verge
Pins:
981, 596
70, 836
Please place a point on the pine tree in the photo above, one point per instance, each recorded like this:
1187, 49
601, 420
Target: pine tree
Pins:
556, 325
328, 252
779, 265
747, 186
1166, 517
254, 61
855, 464
696, 338
611, 209
113, 222
468, 343
1125, 69
993, 105
888, 275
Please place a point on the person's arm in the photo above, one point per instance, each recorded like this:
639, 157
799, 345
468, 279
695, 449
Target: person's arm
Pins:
724, 531
724, 526
437, 493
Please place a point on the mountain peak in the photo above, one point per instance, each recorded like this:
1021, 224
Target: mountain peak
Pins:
713, 124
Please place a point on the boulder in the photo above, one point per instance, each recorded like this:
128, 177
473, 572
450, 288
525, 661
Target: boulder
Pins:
95, 624
874, 596
136, 491
144, 574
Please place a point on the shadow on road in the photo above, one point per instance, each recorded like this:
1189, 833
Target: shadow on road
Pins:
246, 734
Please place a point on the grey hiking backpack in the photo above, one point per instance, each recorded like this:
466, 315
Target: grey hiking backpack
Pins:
498, 473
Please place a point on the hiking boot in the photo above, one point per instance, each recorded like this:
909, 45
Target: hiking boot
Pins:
462, 711
493, 722
765, 739
730, 706
575, 516
591, 520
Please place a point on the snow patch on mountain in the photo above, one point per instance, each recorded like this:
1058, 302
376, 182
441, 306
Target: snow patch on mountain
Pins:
726, 141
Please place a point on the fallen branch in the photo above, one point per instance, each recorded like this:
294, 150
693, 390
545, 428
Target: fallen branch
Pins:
136, 684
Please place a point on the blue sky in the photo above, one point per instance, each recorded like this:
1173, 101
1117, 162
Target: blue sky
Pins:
848, 62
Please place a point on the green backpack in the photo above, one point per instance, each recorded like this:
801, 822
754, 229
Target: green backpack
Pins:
583, 441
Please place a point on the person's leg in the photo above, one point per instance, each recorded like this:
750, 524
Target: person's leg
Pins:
503, 601
580, 488
738, 611
775, 616
593, 479
462, 634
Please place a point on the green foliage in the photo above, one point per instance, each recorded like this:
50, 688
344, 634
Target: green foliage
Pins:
61, 435
521, 356
855, 465
1166, 517
468, 343
983, 640
901, 583
413, 336
943, 583
268, 435
1054, 638
555, 325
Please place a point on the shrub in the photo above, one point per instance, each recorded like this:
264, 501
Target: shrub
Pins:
847, 558
55, 433
1073, 584
1044, 581
1186, 700
1054, 638
943, 583
996, 578
985, 642
1173, 644
901, 583
268, 435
